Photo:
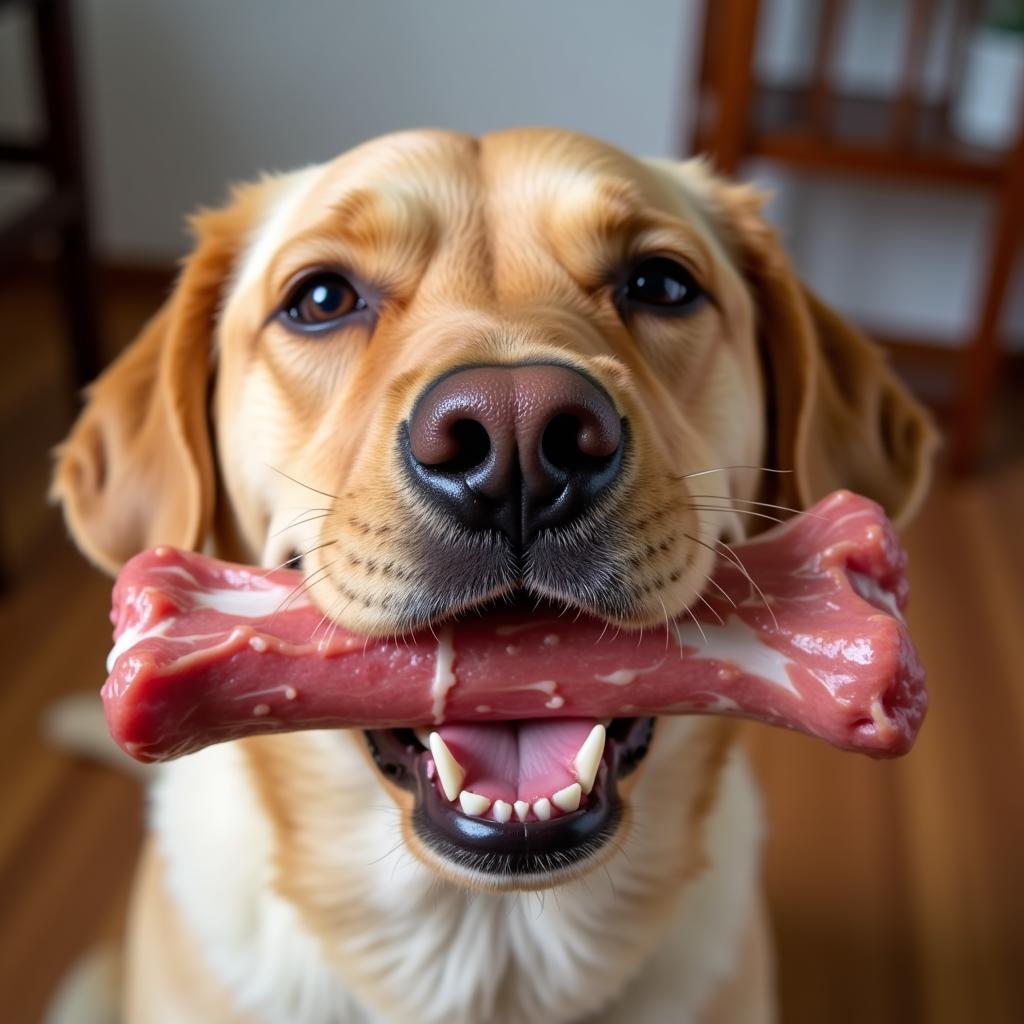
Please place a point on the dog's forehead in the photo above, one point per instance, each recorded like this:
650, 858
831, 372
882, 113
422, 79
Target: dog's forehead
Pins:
447, 170
454, 177
413, 191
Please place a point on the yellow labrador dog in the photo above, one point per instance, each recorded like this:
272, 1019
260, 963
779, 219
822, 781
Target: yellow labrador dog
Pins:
258, 418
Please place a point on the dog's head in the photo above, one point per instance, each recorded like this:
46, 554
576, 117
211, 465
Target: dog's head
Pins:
442, 372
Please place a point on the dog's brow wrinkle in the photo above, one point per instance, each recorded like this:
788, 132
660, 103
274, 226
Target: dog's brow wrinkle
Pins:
357, 203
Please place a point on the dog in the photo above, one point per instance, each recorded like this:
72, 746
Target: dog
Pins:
262, 416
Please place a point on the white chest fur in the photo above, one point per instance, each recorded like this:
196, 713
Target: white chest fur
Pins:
431, 952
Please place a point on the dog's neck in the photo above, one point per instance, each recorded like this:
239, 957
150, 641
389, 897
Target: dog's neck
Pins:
287, 859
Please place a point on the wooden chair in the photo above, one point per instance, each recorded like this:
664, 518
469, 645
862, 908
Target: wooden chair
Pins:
903, 137
62, 210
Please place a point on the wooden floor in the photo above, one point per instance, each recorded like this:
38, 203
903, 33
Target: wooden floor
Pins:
896, 889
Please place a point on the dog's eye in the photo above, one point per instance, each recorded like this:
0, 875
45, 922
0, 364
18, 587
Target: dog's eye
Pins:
322, 299
660, 284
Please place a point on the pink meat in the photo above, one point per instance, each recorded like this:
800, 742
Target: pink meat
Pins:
207, 651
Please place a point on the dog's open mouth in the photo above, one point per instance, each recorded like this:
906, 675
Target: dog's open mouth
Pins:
512, 726
517, 798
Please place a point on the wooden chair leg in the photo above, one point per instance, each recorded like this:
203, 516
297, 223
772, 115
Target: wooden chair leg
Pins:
76, 278
76, 272
981, 360
736, 33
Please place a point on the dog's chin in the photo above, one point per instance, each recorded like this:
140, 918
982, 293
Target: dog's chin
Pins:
488, 855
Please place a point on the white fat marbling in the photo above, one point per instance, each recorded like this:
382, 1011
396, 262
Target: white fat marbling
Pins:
548, 686
246, 604
736, 643
625, 676
444, 677
133, 635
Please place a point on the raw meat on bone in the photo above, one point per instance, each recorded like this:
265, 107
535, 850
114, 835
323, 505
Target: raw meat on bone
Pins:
207, 651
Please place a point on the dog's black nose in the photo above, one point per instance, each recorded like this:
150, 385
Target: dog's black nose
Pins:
514, 448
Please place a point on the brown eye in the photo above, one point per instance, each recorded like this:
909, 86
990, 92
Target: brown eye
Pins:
321, 301
661, 285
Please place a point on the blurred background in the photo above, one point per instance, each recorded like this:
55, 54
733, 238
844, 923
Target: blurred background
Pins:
890, 134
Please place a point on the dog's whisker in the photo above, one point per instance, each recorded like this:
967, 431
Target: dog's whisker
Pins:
384, 857
297, 557
302, 522
668, 625
760, 504
308, 487
323, 618
737, 561
711, 608
305, 511
333, 628
732, 557
726, 469
301, 588
737, 511
718, 586
700, 628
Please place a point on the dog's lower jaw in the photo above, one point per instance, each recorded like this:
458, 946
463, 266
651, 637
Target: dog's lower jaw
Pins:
281, 856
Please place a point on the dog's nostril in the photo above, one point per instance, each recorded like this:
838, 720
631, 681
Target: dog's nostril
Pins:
571, 445
472, 446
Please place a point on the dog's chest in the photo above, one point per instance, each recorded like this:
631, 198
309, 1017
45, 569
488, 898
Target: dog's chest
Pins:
416, 945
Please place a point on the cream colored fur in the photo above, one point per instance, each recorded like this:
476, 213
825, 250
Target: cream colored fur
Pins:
282, 882
450, 957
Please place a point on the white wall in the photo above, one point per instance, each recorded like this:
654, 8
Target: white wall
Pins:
187, 95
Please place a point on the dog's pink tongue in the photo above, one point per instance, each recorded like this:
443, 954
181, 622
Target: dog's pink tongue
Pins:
517, 761
801, 627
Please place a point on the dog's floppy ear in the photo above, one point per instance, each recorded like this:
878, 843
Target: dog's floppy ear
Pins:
839, 416
137, 468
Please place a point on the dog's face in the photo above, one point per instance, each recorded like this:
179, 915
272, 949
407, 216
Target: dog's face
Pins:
502, 360
440, 372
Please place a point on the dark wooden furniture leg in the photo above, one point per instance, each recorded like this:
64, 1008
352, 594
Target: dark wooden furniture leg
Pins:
981, 360
76, 276
734, 81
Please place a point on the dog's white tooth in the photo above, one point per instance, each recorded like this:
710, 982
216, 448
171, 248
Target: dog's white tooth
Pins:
423, 735
502, 811
473, 803
588, 758
522, 809
568, 799
542, 808
449, 771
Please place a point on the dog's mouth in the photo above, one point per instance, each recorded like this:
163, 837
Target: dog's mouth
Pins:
806, 631
515, 800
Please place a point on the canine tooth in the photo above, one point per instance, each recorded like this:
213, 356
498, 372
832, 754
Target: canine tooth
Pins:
568, 799
450, 772
502, 811
473, 803
522, 809
588, 758
423, 735
542, 808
